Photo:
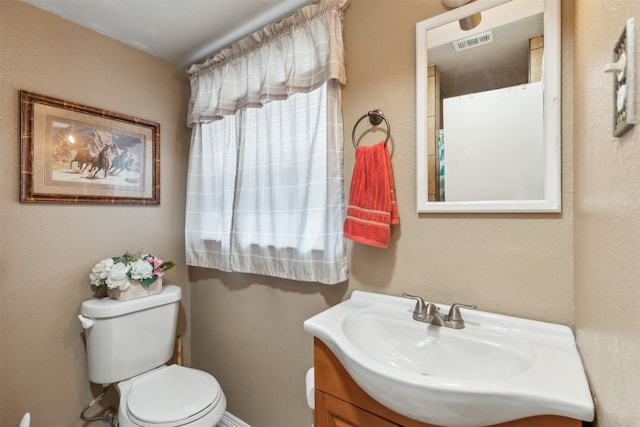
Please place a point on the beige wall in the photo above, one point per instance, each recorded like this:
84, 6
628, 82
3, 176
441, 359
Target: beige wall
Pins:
248, 330
607, 218
48, 250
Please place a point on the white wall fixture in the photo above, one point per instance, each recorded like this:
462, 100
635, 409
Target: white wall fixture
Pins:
623, 68
26, 420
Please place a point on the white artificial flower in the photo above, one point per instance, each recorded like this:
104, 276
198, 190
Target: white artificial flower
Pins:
118, 277
141, 270
101, 271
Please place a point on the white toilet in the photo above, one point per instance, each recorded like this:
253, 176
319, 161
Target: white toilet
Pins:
128, 343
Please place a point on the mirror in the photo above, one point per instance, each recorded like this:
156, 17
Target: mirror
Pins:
488, 108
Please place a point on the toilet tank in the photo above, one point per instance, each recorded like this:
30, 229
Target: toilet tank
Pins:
127, 338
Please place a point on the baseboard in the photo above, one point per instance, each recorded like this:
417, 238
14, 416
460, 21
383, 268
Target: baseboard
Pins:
229, 420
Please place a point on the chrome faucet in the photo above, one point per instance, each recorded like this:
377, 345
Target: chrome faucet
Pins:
430, 313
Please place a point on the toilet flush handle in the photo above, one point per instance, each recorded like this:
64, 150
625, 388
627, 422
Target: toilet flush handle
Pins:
86, 322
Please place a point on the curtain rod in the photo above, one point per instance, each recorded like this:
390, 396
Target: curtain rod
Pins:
278, 12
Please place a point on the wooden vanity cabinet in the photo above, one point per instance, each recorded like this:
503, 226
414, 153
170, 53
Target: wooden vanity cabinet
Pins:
340, 402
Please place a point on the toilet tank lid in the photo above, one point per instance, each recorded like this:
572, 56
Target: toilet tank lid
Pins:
107, 307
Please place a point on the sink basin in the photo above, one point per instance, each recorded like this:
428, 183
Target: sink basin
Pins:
497, 369
386, 337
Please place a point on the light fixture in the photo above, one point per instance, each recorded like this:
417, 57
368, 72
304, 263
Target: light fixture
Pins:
467, 23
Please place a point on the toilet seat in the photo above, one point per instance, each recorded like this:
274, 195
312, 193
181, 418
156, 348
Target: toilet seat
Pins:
172, 396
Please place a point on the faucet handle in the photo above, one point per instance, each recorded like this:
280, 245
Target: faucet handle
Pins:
454, 311
420, 304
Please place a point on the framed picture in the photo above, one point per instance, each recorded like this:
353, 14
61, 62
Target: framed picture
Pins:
73, 153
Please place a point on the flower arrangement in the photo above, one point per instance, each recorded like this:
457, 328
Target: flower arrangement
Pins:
118, 272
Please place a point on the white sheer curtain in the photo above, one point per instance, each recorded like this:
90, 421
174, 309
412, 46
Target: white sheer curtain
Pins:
265, 191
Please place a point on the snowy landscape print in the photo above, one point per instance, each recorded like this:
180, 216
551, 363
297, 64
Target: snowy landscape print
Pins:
86, 155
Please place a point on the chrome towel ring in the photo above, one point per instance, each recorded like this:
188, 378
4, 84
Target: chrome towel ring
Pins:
375, 118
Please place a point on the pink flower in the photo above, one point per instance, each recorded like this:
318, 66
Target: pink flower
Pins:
157, 263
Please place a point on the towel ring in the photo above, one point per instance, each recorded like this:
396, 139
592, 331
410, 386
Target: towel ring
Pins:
375, 118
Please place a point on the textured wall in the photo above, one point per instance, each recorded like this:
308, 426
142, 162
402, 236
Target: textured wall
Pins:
48, 250
248, 330
607, 218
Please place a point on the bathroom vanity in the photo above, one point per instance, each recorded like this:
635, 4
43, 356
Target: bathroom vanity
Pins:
375, 365
340, 402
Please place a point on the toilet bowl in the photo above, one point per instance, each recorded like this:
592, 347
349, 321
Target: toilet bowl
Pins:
171, 396
128, 344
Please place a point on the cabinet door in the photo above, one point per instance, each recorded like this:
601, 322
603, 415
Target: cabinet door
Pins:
333, 412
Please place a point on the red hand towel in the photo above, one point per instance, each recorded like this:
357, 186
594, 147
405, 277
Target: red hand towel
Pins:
372, 199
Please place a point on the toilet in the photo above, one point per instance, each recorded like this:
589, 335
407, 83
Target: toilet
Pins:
129, 344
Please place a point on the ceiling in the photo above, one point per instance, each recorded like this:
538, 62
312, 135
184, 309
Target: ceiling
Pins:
180, 31
503, 62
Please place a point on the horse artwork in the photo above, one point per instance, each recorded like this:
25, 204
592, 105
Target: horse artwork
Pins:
72, 153
97, 154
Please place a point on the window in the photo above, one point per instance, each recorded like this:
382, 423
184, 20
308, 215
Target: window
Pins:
265, 188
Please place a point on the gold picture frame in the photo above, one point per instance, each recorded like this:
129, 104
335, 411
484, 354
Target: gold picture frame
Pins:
72, 153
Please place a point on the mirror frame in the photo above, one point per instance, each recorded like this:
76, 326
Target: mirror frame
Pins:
551, 120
